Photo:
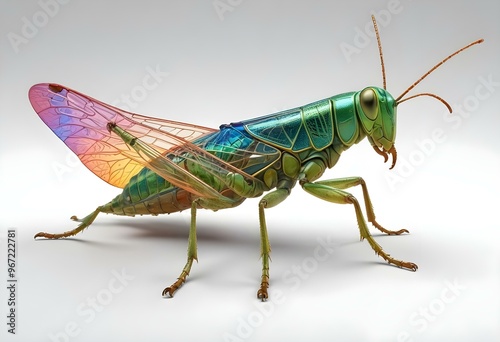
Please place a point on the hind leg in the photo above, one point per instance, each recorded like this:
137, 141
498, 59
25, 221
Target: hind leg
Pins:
85, 222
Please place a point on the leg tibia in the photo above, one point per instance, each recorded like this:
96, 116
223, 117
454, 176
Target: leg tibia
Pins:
85, 222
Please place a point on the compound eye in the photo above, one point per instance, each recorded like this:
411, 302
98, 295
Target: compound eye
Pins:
369, 103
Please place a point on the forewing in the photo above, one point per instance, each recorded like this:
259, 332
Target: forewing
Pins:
81, 123
96, 133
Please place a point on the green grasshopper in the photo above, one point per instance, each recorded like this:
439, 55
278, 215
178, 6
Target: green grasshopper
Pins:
166, 166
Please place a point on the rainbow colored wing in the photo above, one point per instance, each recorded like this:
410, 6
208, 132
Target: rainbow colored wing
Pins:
81, 123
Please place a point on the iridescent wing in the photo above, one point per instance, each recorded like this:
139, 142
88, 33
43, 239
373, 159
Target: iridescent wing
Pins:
82, 122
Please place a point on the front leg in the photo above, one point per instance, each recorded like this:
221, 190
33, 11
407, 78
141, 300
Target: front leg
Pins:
345, 183
325, 190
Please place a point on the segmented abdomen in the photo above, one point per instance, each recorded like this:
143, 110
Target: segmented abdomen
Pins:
148, 194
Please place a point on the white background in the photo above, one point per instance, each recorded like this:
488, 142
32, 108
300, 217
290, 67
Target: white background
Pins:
256, 58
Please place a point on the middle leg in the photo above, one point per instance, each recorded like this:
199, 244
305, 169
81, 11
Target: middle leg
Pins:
268, 201
192, 254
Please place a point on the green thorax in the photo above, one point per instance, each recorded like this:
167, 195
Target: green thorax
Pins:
312, 126
315, 126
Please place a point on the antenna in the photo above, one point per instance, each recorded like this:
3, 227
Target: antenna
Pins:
380, 51
399, 99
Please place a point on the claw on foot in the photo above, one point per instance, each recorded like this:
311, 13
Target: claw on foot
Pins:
169, 290
403, 264
398, 263
389, 232
411, 266
262, 293
174, 287
48, 236
397, 232
37, 235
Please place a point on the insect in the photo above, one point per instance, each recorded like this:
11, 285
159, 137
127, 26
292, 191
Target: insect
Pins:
167, 166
